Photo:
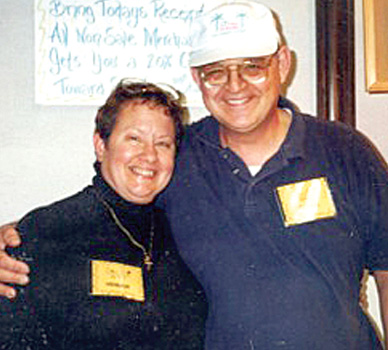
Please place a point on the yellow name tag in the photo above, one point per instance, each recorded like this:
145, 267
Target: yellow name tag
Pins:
306, 201
117, 280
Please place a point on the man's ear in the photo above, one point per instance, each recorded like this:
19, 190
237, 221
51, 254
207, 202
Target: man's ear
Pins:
195, 75
284, 55
99, 146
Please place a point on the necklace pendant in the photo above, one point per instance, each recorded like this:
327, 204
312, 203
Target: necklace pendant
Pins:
148, 262
147, 254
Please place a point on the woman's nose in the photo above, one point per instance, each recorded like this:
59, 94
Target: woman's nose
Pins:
149, 152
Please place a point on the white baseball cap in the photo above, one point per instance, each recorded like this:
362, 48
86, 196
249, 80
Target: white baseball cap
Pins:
233, 30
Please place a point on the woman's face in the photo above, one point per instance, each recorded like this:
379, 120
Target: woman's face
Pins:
137, 160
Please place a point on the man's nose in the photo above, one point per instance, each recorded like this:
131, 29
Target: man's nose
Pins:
235, 81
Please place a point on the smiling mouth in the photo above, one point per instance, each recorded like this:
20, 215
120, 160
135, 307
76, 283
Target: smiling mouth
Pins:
237, 102
143, 172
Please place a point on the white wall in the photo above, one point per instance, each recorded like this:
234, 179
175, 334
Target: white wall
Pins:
46, 152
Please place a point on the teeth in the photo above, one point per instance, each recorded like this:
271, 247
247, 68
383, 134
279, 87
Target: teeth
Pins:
143, 172
237, 102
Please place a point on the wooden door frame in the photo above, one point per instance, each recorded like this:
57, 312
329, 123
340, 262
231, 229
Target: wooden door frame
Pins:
335, 60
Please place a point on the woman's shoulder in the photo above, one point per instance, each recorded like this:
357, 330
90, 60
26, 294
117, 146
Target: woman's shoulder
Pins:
66, 211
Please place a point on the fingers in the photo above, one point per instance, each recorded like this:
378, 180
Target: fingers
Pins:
7, 291
11, 270
8, 265
11, 277
9, 237
14, 272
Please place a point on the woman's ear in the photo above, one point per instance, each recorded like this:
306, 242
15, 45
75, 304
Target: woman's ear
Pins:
99, 146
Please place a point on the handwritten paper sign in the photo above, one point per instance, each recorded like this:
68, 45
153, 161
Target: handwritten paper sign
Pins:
84, 47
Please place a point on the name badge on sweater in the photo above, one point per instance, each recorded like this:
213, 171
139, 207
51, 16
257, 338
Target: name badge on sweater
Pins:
117, 280
306, 201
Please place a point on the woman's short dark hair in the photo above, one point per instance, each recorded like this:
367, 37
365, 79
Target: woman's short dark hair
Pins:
128, 91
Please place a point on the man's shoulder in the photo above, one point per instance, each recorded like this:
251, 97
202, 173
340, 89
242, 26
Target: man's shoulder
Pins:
338, 137
326, 129
201, 124
316, 126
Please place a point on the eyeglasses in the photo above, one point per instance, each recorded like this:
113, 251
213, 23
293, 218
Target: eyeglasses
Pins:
137, 85
253, 70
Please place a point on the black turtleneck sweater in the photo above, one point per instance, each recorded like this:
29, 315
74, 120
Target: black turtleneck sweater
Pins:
58, 309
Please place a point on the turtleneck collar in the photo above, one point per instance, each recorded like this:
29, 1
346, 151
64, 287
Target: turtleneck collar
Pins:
135, 217
113, 198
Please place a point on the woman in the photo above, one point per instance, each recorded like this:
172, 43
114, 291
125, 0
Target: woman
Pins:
105, 270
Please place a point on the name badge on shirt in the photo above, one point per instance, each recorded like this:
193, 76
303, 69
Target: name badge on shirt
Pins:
306, 201
117, 280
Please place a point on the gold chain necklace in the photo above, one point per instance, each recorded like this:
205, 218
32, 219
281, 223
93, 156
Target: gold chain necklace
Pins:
147, 254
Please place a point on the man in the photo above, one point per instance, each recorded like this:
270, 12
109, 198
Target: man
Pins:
276, 212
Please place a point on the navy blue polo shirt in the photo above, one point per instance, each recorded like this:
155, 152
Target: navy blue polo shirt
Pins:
281, 254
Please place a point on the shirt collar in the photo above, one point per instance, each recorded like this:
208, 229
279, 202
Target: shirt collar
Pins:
293, 145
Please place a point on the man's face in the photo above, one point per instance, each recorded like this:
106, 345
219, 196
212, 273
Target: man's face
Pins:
242, 104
